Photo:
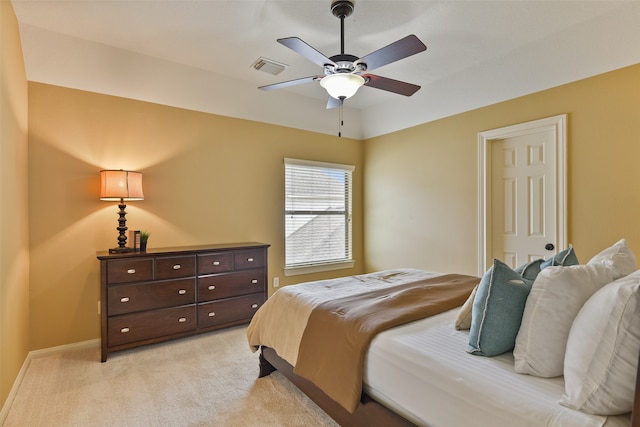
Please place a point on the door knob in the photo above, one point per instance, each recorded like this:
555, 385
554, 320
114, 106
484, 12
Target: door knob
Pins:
549, 246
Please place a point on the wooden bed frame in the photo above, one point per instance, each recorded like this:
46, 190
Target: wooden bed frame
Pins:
369, 412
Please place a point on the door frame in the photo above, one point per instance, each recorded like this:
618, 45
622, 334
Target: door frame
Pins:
559, 126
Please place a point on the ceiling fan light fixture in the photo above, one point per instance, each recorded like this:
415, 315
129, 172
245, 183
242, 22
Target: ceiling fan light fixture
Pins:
342, 86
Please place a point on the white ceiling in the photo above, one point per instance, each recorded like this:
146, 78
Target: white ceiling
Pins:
197, 54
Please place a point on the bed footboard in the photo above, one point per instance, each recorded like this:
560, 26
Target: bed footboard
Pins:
368, 413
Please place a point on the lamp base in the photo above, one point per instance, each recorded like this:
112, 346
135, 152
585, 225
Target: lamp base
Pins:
121, 250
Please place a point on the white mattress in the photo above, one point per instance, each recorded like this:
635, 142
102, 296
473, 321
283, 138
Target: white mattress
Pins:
422, 370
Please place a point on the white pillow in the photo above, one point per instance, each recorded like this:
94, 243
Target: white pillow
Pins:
463, 321
619, 256
556, 297
602, 351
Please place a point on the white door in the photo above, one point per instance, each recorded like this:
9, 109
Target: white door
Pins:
522, 195
523, 200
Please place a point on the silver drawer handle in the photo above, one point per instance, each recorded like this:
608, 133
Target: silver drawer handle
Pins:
182, 291
212, 314
124, 299
216, 262
254, 306
254, 281
124, 330
211, 288
182, 319
250, 259
131, 271
177, 267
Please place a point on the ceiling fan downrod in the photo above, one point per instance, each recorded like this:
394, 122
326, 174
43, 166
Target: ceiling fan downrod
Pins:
341, 9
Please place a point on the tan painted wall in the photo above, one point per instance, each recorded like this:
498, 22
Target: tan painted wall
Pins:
421, 185
216, 179
206, 178
14, 237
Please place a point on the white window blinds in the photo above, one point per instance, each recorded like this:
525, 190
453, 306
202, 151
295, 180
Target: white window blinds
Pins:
317, 213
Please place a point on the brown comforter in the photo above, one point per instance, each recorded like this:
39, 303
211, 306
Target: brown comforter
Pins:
339, 332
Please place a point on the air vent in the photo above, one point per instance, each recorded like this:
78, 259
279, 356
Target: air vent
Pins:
268, 66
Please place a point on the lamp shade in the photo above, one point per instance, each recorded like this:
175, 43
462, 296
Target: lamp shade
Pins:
120, 184
342, 86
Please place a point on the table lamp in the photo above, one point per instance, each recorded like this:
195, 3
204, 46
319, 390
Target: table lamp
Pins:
121, 185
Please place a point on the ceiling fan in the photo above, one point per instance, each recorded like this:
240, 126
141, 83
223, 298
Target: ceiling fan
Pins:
344, 73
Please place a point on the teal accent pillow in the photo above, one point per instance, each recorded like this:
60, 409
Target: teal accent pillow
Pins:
530, 270
497, 310
564, 258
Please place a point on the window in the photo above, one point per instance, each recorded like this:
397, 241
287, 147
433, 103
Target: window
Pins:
317, 216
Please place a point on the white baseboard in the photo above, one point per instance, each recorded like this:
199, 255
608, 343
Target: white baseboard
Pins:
14, 390
64, 348
36, 354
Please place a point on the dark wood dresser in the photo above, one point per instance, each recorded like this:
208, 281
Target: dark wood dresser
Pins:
167, 293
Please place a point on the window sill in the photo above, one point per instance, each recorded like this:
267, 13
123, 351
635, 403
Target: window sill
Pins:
317, 268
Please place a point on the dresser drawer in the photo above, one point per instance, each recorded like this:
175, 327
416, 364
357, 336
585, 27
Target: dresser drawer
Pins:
148, 296
230, 284
129, 270
129, 328
215, 262
229, 310
252, 258
174, 267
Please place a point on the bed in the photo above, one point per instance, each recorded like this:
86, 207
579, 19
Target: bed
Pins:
419, 372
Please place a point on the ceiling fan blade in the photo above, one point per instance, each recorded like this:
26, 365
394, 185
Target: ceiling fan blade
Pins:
297, 45
400, 49
290, 83
333, 103
390, 85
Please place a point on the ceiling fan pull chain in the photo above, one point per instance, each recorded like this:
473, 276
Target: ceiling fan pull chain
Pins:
340, 120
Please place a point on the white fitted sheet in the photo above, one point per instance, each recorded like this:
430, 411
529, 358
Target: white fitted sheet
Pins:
422, 370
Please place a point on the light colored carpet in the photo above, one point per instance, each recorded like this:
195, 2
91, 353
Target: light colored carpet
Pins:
208, 380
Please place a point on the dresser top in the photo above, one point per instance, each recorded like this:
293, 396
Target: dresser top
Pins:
181, 249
